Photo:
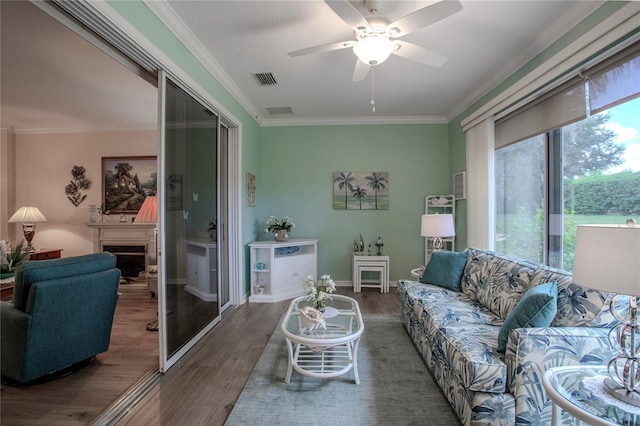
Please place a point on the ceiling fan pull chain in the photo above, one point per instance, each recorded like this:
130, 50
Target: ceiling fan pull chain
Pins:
373, 94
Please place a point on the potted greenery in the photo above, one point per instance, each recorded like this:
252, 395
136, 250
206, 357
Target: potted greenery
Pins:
10, 259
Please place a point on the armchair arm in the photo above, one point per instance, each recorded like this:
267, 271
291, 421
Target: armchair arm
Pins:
531, 351
13, 338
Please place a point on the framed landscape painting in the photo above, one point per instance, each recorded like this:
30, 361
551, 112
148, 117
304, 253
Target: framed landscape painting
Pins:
361, 190
127, 181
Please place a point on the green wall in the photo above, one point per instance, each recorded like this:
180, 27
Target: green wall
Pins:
294, 178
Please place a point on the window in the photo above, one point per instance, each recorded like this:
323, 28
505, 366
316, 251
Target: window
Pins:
585, 172
578, 168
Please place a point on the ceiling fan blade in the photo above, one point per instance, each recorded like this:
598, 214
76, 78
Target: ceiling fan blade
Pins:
424, 17
419, 54
361, 70
348, 13
323, 48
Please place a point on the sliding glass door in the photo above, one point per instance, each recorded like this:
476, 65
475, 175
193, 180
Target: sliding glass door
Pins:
189, 200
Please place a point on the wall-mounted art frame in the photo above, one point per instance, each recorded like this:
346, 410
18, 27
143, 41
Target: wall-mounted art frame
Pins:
361, 190
460, 185
251, 190
127, 181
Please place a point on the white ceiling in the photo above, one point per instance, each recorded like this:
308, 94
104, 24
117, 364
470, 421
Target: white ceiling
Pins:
55, 78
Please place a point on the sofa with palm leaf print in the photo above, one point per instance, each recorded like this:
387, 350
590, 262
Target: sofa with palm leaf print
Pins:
457, 334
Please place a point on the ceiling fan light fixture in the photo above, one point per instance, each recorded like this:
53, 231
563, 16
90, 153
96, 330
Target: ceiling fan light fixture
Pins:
373, 49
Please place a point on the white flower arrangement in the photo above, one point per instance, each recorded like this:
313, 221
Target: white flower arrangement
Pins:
319, 291
274, 224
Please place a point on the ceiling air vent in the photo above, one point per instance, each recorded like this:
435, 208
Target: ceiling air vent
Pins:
279, 110
265, 79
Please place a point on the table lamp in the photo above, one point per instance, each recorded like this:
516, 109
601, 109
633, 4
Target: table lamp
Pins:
437, 226
29, 216
148, 211
607, 258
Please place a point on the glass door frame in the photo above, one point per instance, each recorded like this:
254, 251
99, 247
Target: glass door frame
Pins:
166, 359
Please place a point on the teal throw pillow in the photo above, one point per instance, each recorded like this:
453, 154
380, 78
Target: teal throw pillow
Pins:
445, 269
537, 308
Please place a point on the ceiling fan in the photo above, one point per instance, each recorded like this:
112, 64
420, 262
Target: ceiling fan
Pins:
376, 38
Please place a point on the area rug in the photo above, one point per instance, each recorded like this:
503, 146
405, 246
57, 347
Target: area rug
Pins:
395, 386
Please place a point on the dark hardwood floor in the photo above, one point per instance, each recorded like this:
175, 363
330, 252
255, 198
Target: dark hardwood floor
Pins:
201, 389
77, 398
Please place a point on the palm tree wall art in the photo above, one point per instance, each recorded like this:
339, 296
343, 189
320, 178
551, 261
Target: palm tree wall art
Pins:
361, 190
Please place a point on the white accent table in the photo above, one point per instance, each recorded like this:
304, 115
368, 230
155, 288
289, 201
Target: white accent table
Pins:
324, 353
370, 263
281, 268
574, 389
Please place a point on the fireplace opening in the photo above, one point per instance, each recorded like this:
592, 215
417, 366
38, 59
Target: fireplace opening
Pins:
130, 259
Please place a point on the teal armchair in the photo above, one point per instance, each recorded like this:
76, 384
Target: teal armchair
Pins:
61, 315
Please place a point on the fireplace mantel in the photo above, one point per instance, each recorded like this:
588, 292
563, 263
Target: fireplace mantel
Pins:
123, 233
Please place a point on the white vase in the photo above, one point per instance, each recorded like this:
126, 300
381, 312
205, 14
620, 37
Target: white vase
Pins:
93, 213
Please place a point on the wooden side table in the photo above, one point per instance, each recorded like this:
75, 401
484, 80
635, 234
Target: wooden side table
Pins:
45, 254
6, 289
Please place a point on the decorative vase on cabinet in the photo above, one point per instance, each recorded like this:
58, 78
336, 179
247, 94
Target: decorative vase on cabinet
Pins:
281, 235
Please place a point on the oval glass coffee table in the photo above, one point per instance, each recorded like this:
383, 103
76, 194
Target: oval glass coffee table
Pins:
324, 353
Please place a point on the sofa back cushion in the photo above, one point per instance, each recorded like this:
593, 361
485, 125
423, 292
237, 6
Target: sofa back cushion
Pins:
496, 281
577, 305
45, 270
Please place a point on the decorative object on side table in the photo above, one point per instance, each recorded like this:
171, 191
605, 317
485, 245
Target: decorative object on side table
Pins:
319, 291
607, 258
379, 244
29, 216
280, 228
79, 181
437, 226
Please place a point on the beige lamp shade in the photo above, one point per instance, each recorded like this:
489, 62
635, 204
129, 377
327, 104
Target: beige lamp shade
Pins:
607, 258
27, 215
148, 211
437, 225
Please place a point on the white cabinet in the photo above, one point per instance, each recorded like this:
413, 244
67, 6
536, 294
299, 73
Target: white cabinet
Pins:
439, 204
202, 273
278, 269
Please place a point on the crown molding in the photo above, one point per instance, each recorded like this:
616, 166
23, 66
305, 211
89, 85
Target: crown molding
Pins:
176, 25
344, 121
90, 129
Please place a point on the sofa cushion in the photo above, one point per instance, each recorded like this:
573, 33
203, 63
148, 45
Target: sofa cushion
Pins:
445, 269
504, 282
537, 308
443, 306
470, 351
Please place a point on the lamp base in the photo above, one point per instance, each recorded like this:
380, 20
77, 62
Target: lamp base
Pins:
620, 393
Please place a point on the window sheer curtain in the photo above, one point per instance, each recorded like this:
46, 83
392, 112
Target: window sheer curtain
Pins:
480, 186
